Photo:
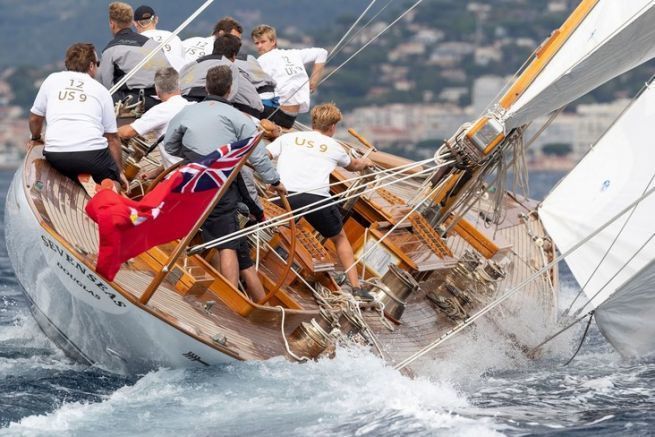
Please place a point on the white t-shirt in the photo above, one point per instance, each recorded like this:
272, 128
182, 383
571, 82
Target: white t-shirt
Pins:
197, 47
78, 111
173, 49
306, 159
156, 120
287, 68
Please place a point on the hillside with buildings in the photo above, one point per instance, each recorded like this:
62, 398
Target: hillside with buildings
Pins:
439, 67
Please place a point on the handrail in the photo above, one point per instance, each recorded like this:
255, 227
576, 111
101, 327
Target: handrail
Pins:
290, 258
182, 245
162, 175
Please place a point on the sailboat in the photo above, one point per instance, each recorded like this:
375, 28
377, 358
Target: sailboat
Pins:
439, 247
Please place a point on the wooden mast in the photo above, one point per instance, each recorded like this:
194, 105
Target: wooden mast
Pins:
542, 56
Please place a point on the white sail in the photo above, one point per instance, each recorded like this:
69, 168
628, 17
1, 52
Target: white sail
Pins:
617, 171
614, 37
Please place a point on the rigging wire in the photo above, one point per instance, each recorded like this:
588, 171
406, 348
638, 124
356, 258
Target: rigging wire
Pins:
605, 255
335, 52
283, 218
165, 41
345, 35
401, 16
584, 336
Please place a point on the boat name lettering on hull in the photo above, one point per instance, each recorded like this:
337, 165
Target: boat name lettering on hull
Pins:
80, 274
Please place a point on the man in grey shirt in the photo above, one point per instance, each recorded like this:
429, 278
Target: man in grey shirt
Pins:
124, 52
197, 131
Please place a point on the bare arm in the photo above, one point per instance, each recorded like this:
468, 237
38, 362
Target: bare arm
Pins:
317, 73
126, 131
358, 164
36, 125
114, 144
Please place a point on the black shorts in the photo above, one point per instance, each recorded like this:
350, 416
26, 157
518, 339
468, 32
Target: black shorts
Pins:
328, 221
221, 224
279, 117
98, 163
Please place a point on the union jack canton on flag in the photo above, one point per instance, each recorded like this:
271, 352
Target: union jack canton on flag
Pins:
127, 228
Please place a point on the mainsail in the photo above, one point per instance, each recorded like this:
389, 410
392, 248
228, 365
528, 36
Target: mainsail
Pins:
612, 38
616, 267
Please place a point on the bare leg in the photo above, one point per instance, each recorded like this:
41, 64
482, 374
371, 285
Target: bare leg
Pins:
229, 265
346, 256
253, 284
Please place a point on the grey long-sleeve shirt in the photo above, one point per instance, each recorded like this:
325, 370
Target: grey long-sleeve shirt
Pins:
199, 129
193, 78
123, 53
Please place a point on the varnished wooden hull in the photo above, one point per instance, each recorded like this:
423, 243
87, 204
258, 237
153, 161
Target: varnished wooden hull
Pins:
82, 313
53, 248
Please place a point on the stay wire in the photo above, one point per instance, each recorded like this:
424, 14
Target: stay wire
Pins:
584, 336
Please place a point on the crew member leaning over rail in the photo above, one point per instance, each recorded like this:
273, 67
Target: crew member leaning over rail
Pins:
305, 161
81, 133
197, 131
124, 52
287, 68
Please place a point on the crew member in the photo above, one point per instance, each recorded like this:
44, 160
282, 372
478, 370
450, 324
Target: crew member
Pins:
145, 22
305, 161
155, 121
287, 68
124, 52
81, 137
243, 94
197, 131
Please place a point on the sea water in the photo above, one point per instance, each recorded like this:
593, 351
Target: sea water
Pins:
485, 390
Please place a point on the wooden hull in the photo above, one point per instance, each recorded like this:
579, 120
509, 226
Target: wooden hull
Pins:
53, 247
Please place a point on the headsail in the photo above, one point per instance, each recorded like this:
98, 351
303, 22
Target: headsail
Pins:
617, 171
614, 37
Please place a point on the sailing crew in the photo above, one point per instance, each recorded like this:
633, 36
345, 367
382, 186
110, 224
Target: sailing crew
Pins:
155, 120
197, 131
81, 137
199, 46
124, 52
305, 161
287, 68
145, 22
243, 95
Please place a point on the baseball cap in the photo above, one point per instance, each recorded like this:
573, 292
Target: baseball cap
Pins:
143, 13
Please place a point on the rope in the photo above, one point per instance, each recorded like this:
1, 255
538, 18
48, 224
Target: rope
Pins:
557, 334
393, 171
283, 218
284, 337
514, 290
584, 335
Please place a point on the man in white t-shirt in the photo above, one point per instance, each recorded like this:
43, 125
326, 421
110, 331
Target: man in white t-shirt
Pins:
304, 162
145, 22
79, 113
155, 120
287, 68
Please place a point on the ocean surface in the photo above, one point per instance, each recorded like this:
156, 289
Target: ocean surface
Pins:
484, 392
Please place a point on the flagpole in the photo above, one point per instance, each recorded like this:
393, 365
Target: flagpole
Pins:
182, 245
